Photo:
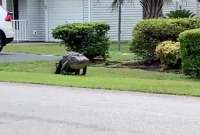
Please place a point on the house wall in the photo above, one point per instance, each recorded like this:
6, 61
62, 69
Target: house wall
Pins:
189, 5
65, 11
22, 9
101, 11
198, 8
86, 16
40, 16
35, 20
33, 12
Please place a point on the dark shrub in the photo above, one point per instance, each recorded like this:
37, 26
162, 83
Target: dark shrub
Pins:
89, 39
148, 33
190, 52
182, 13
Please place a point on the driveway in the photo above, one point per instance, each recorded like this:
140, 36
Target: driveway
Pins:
24, 57
45, 110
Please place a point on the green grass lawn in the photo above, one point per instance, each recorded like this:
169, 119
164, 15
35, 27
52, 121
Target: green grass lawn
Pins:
123, 55
57, 49
97, 77
103, 78
36, 48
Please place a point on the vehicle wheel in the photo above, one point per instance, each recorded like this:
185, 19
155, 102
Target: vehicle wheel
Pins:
2, 42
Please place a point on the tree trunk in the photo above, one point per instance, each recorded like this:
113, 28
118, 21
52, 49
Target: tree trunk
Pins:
152, 8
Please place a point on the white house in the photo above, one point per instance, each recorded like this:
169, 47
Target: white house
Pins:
35, 19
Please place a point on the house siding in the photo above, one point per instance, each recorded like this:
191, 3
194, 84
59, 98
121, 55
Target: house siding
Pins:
101, 11
35, 20
22, 9
198, 8
189, 5
64, 11
42, 19
85, 11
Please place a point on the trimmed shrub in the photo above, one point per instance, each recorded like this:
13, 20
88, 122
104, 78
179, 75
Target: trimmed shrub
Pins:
190, 52
148, 33
168, 52
182, 13
89, 39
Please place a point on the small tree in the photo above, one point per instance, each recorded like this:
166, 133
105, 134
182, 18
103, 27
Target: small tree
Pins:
151, 8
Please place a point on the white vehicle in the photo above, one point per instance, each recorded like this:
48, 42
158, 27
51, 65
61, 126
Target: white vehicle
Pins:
6, 29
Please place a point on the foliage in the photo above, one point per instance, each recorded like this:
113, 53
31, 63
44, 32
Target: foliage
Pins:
190, 52
148, 33
89, 39
182, 13
169, 54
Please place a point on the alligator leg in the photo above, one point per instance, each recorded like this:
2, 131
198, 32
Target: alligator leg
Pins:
77, 72
58, 67
84, 70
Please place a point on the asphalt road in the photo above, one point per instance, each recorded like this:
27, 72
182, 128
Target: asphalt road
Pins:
44, 110
24, 57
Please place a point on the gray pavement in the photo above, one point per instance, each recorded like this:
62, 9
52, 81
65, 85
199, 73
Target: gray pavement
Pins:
24, 57
48, 110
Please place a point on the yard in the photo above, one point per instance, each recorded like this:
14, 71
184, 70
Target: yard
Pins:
58, 49
98, 76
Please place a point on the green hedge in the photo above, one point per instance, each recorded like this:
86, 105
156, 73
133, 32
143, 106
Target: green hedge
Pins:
190, 52
148, 33
89, 39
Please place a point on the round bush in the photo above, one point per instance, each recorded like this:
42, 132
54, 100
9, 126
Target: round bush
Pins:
89, 39
169, 54
190, 52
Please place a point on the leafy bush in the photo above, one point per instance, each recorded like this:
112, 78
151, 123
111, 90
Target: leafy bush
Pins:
148, 33
190, 52
182, 13
89, 39
169, 54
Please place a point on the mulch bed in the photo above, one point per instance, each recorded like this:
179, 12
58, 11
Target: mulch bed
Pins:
153, 65
149, 65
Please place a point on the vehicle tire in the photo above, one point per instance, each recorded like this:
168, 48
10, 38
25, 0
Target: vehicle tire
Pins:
2, 42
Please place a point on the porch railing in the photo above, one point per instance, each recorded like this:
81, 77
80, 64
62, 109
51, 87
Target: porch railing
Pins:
20, 30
